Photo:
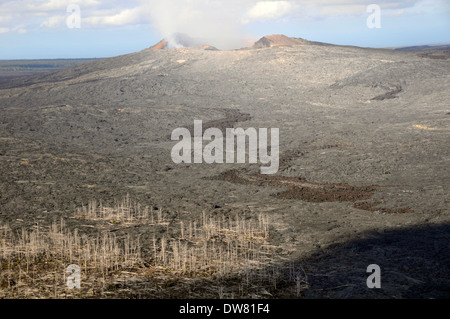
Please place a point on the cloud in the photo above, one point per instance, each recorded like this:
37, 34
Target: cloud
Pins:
33, 15
271, 10
124, 17
346, 9
199, 18
58, 5
53, 21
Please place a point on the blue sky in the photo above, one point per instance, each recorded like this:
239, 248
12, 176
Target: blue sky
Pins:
46, 29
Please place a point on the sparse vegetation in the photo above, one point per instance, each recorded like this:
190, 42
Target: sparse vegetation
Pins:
215, 250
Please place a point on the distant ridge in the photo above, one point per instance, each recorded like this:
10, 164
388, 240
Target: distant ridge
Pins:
278, 40
180, 40
425, 47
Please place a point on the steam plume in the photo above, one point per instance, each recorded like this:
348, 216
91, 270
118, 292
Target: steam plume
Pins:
213, 22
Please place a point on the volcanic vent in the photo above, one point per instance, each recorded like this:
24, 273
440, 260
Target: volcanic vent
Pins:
180, 40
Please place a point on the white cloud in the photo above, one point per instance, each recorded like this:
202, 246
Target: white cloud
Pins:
37, 14
345, 9
59, 5
124, 17
53, 21
199, 17
20, 28
271, 10
4, 19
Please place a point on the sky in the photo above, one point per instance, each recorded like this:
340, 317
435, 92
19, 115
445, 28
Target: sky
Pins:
49, 29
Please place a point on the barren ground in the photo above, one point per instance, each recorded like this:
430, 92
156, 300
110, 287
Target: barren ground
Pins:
365, 156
